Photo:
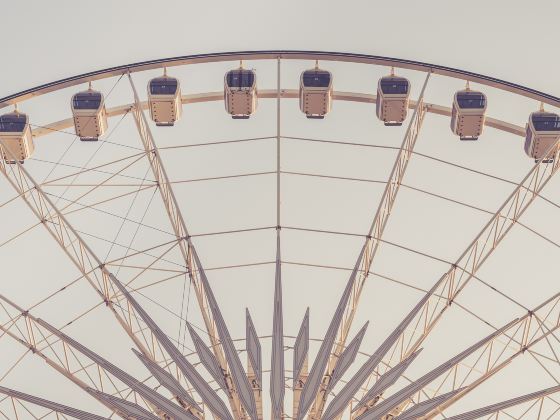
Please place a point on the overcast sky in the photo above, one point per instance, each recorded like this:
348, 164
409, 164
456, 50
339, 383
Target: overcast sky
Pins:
511, 40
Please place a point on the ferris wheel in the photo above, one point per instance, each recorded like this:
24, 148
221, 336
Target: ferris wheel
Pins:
279, 234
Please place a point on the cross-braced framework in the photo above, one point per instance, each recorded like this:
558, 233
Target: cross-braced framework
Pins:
307, 241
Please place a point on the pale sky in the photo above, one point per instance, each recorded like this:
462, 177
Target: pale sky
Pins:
514, 41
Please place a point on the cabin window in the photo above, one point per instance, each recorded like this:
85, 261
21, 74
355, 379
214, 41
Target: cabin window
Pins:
394, 87
546, 123
316, 79
472, 101
240, 79
13, 123
163, 87
87, 101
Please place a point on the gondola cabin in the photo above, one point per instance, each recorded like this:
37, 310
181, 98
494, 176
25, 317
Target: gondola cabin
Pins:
543, 131
467, 114
315, 93
164, 97
90, 115
15, 137
240, 93
392, 100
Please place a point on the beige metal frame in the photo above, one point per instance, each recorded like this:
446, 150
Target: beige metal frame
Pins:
535, 326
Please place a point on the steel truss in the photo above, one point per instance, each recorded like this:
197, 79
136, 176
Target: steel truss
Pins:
425, 397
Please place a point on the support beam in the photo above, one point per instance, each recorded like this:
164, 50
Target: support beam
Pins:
26, 330
239, 392
315, 378
170, 383
157, 400
501, 406
507, 344
300, 369
277, 375
254, 361
80, 254
277, 370
424, 407
460, 273
373, 239
383, 408
58, 408
207, 394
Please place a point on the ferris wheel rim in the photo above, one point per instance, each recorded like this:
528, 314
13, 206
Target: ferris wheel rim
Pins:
281, 55
278, 137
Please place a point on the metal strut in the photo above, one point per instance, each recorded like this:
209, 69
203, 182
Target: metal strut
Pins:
372, 242
31, 333
239, 391
453, 281
498, 352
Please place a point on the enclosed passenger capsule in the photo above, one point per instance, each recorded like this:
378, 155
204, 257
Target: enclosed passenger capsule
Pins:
467, 115
392, 99
90, 115
164, 97
543, 131
240, 93
315, 93
15, 137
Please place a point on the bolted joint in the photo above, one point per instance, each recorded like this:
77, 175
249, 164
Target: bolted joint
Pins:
278, 227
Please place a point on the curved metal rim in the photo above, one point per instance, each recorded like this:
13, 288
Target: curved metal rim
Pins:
282, 54
285, 94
